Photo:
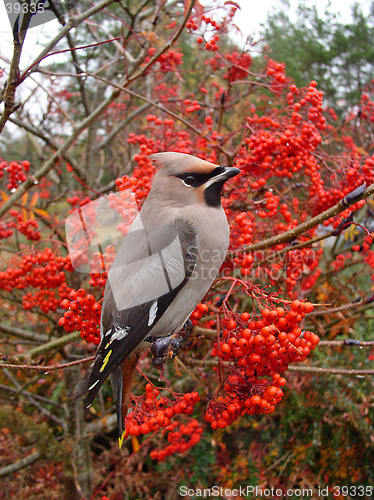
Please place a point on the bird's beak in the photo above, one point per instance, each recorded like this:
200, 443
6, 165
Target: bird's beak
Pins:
228, 173
225, 174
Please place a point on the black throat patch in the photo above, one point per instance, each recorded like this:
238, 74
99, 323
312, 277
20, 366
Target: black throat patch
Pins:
212, 194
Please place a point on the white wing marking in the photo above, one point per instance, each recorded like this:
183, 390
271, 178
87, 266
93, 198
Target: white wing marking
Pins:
152, 313
93, 385
120, 334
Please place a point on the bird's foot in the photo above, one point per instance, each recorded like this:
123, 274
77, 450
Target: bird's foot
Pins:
165, 348
185, 331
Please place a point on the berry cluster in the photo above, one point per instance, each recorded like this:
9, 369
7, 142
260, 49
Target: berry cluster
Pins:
125, 204
140, 182
211, 44
153, 411
16, 172
191, 24
366, 109
340, 261
239, 66
28, 228
286, 147
46, 300
198, 313
223, 411
168, 61
83, 314
255, 353
5, 229
100, 265
242, 230
192, 106
276, 72
25, 226
209, 21
181, 437
43, 270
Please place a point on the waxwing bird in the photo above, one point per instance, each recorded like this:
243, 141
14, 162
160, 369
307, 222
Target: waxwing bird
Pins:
165, 266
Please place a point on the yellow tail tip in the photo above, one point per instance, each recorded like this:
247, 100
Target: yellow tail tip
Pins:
120, 439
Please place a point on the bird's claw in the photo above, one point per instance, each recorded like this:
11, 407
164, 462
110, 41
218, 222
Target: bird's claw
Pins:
166, 348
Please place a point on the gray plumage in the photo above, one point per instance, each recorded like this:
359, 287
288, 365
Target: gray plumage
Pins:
166, 265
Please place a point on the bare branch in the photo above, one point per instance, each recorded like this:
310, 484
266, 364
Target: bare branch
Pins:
73, 21
13, 79
53, 344
346, 342
50, 368
23, 334
333, 371
20, 464
356, 306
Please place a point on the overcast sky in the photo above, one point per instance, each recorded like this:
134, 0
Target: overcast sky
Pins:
253, 13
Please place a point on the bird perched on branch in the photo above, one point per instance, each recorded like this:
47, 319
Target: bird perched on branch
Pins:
165, 266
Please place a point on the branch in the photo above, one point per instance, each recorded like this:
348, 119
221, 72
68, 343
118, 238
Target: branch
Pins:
207, 332
358, 306
19, 35
23, 334
20, 464
50, 368
73, 21
23, 188
197, 362
291, 234
107, 423
302, 244
37, 176
161, 108
32, 400
352, 342
34, 396
53, 344
49, 142
333, 371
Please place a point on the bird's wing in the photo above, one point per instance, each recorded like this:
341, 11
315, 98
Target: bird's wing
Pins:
150, 269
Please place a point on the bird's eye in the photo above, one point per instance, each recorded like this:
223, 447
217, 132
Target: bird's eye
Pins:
190, 180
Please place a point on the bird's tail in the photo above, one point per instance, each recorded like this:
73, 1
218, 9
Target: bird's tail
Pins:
122, 380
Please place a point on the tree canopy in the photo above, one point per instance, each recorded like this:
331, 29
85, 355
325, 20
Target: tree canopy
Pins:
338, 54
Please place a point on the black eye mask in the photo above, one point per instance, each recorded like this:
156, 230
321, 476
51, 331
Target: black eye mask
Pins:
195, 180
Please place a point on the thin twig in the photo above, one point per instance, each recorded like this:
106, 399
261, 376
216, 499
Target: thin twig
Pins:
346, 307
333, 371
50, 368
